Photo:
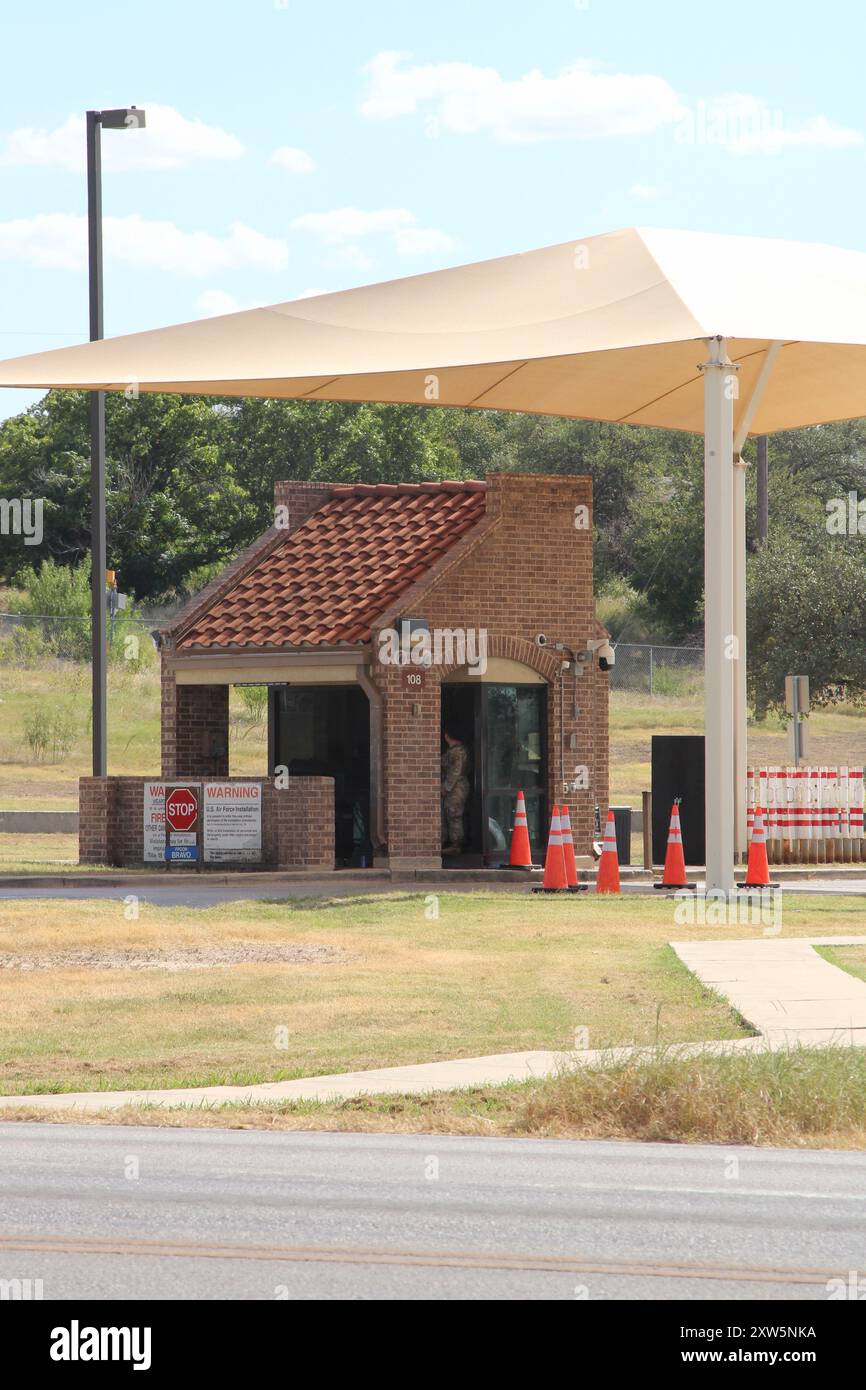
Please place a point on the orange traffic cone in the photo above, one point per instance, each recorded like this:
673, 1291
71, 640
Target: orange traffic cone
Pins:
521, 851
674, 875
607, 880
757, 869
568, 849
554, 864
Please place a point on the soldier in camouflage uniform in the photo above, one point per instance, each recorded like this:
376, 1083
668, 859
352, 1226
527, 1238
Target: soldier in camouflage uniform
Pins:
455, 792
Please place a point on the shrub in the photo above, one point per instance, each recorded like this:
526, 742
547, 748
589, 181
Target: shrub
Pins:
255, 699
24, 646
60, 594
677, 681
626, 614
50, 730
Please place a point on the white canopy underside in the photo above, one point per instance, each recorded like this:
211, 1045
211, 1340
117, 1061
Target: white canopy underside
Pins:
610, 328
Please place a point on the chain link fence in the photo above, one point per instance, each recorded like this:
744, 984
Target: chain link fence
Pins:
26, 638
676, 672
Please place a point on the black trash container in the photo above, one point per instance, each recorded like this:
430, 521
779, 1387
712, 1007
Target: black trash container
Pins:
622, 821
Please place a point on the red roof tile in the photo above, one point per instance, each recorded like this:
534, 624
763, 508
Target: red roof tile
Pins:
329, 580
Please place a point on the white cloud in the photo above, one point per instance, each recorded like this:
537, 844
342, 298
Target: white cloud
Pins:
819, 133
422, 241
743, 124
645, 191
344, 228
168, 141
580, 102
210, 303
345, 224
59, 241
293, 160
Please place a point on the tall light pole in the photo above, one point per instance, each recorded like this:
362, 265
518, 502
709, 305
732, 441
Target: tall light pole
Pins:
127, 118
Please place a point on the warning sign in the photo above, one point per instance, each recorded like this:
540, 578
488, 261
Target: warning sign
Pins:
232, 822
154, 822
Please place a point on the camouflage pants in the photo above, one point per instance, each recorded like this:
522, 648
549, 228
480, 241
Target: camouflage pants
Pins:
454, 809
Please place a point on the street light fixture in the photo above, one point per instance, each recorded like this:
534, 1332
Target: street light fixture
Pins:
126, 118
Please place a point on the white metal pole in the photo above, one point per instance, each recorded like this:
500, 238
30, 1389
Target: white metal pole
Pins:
720, 640
747, 414
741, 721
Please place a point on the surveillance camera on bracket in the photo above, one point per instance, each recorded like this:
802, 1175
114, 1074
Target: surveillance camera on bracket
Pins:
604, 651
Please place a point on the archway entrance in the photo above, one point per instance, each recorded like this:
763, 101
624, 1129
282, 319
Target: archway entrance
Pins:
503, 728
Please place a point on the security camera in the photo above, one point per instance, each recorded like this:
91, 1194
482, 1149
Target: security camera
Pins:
541, 640
605, 653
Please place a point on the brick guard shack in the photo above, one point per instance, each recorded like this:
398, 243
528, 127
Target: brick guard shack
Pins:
489, 575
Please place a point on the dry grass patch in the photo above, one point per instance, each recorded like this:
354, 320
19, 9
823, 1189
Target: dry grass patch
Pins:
802, 1098
490, 975
493, 973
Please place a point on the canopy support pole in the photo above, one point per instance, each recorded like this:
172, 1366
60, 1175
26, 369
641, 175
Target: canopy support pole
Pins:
720, 641
741, 708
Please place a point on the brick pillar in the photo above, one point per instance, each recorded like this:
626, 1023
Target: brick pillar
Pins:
303, 818
300, 500
96, 820
412, 769
168, 720
202, 731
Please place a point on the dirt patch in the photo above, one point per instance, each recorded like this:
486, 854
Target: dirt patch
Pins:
182, 958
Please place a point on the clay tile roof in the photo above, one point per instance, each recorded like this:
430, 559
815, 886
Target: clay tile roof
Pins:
329, 580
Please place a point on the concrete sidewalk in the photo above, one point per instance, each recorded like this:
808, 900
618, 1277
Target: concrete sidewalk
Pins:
782, 987
422, 1079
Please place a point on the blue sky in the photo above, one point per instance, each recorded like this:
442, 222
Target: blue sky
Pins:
294, 147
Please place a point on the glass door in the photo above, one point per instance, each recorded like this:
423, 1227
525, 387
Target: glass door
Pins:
514, 743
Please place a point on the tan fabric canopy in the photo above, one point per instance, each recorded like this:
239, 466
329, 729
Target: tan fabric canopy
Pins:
608, 328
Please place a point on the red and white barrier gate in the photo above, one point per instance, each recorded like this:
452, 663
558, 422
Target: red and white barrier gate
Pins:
814, 815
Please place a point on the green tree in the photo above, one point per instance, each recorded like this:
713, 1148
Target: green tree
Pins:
172, 501
807, 601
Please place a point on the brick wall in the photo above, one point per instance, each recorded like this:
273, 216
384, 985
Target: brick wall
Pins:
300, 499
95, 820
302, 816
297, 822
195, 728
531, 573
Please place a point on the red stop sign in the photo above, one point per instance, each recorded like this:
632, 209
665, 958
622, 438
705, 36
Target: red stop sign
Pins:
181, 808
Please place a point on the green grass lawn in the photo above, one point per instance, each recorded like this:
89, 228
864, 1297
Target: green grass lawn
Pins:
28, 784
493, 973
837, 737
849, 958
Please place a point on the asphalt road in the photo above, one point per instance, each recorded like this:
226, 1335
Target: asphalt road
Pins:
107, 1211
159, 895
